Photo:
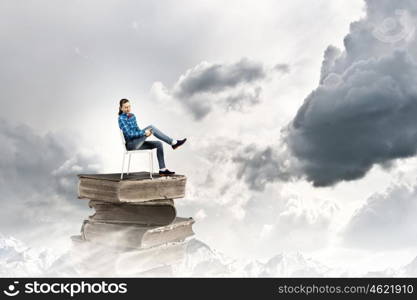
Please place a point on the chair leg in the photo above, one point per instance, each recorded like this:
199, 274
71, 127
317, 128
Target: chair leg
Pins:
150, 164
123, 165
128, 164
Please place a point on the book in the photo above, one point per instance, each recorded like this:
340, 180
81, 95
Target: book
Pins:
154, 212
96, 260
128, 236
132, 262
134, 229
135, 187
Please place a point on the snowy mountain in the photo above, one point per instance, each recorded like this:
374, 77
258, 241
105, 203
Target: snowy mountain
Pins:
409, 270
201, 260
16, 259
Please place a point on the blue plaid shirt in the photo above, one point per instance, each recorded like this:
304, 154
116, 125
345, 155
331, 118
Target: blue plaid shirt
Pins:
127, 123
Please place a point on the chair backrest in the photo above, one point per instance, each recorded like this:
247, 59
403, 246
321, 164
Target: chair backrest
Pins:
123, 139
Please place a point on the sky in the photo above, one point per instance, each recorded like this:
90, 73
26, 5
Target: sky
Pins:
299, 118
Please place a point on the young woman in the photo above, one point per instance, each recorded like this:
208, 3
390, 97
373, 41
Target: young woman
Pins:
136, 137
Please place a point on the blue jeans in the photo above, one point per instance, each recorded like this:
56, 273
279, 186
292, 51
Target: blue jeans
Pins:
141, 143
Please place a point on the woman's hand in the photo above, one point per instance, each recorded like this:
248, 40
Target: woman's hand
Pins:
148, 132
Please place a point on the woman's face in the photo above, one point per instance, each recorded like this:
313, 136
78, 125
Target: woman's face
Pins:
126, 107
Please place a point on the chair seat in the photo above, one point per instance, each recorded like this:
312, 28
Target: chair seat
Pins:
139, 150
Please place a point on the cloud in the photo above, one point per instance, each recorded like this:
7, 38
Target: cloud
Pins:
258, 165
341, 132
284, 68
330, 55
207, 77
213, 188
253, 217
386, 221
232, 86
39, 183
362, 113
291, 221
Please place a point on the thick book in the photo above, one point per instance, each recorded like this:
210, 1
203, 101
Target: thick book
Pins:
128, 236
154, 212
134, 262
135, 187
97, 260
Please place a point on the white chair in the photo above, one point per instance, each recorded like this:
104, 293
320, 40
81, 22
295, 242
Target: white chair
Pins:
130, 152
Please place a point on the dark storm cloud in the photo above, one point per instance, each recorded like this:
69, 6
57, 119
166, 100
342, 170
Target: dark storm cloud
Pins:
364, 110
340, 133
247, 98
213, 78
38, 181
260, 165
330, 56
231, 86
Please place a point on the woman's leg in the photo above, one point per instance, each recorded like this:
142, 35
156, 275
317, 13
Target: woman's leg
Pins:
160, 135
159, 151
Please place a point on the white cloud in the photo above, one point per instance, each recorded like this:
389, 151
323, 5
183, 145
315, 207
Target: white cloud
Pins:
386, 221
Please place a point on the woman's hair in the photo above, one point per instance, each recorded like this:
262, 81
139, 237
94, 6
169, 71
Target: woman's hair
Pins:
123, 101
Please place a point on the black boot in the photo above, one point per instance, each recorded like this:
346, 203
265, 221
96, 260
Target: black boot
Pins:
179, 143
166, 172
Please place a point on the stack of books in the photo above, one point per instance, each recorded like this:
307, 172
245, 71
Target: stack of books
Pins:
135, 223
